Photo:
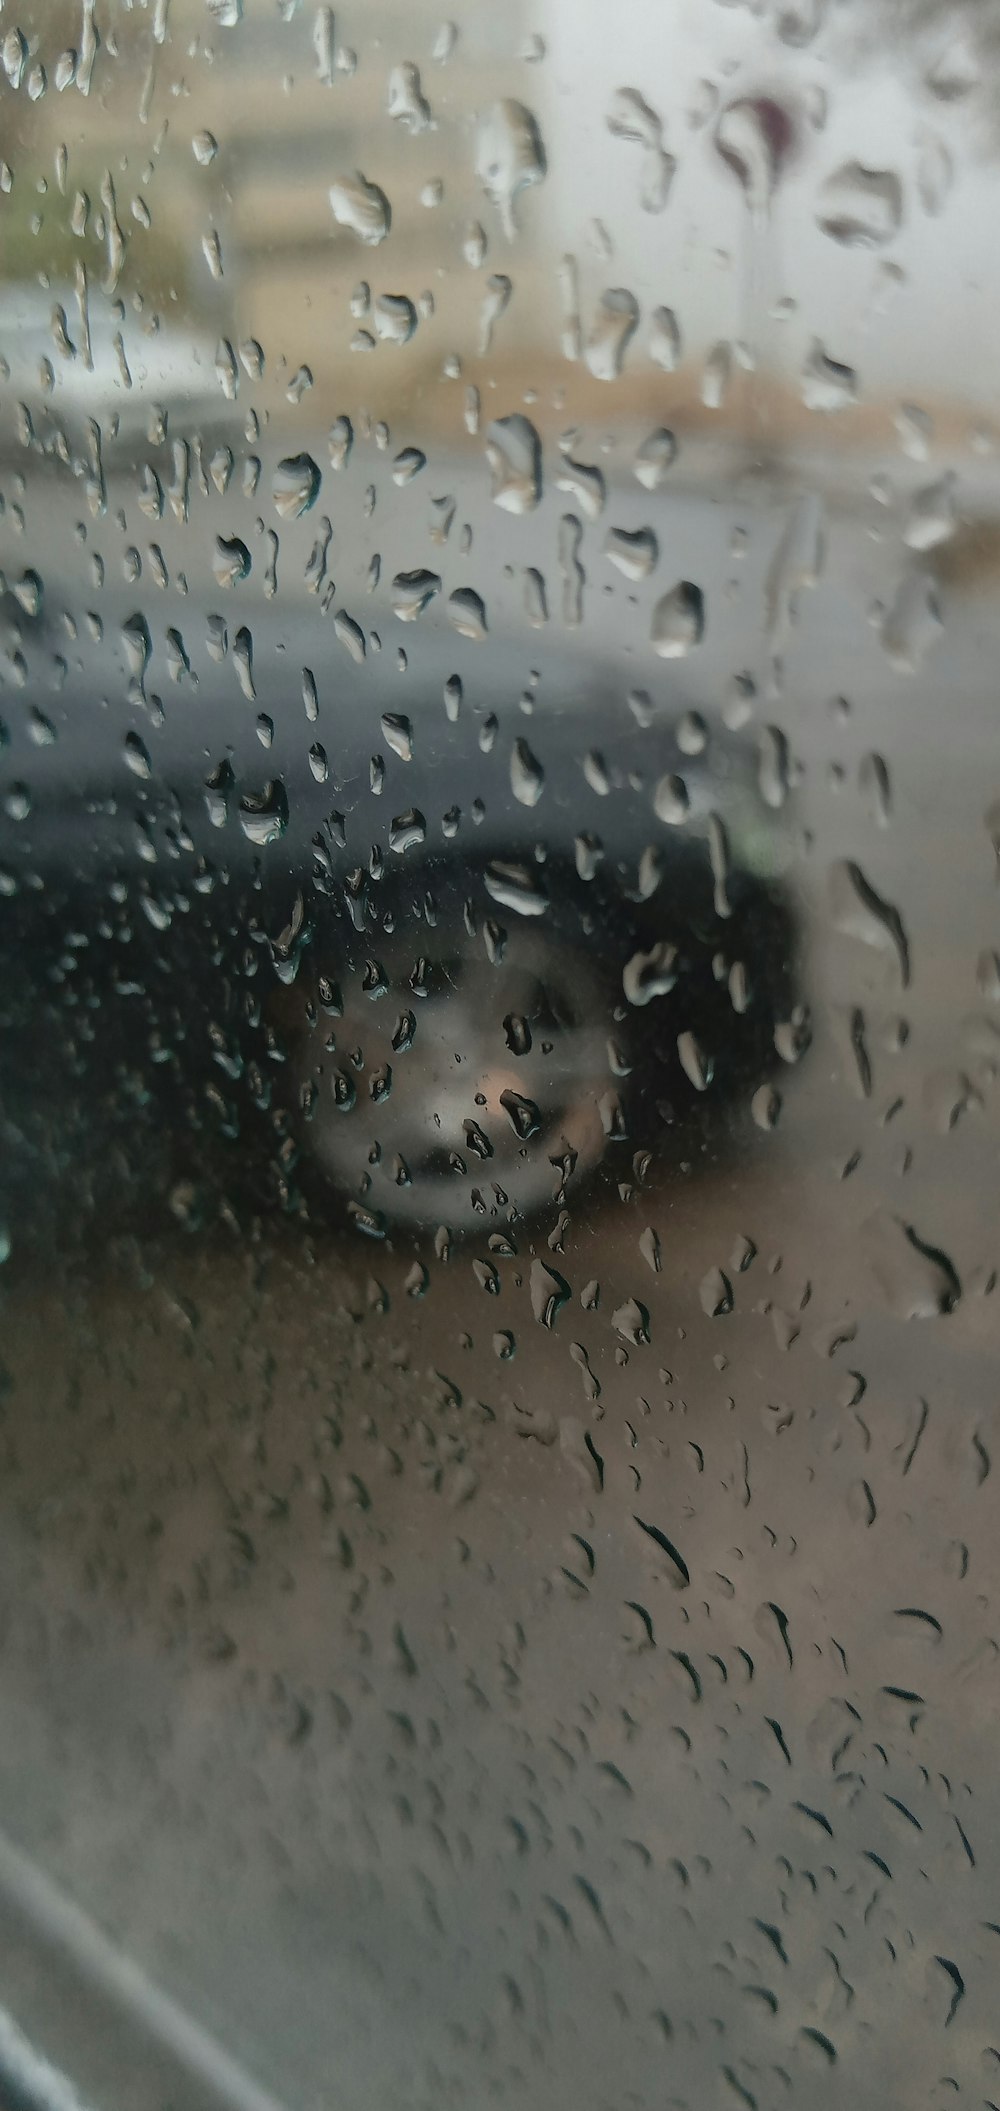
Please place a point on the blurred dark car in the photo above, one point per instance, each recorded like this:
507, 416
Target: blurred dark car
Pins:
248, 961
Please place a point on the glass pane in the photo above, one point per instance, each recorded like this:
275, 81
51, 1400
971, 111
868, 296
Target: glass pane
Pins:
500, 965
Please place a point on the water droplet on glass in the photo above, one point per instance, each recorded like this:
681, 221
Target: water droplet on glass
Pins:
665, 340
231, 561
860, 912
407, 830
513, 451
670, 800
295, 485
362, 207
860, 207
916, 1280
753, 136
406, 101
827, 385
633, 551
467, 613
932, 516
655, 458
652, 974
510, 157
614, 326
412, 592
264, 814
549, 1292
678, 621
516, 887
527, 777
911, 624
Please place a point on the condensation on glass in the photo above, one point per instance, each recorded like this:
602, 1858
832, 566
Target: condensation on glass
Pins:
499, 836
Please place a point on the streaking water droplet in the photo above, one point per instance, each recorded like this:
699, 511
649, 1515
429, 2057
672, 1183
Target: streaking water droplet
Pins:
917, 1281
912, 623
614, 326
527, 777
861, 913
549, 1292
513, 451
670, 801
510, 157
665, 340
861, 207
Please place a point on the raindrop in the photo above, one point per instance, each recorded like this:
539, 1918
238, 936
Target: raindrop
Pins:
614, 326
932, 518
340, 441
796, 566
916, 1280
753, 136
716, 1294
516, 887
295, 485
136, 756
911, 624
510, 157
412, 592
665, 340
549, 1292
495, 301
398, 734
395, 318
716, 376
634, 552
408, 464
861, 207
670, 800
652, 974
467, 613
513, 451
827, 385
527, 777
361, 207
655, 459
522, 1114
678, 621
859, 912
631, 1321
264, 815
231, 561
407, 830
697, 1066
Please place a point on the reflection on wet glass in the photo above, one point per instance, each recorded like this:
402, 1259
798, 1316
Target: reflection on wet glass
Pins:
500, 832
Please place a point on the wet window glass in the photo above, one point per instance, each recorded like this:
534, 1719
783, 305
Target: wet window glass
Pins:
499, 1041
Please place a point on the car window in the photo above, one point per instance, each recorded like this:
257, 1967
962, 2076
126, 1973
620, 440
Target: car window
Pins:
499, 978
